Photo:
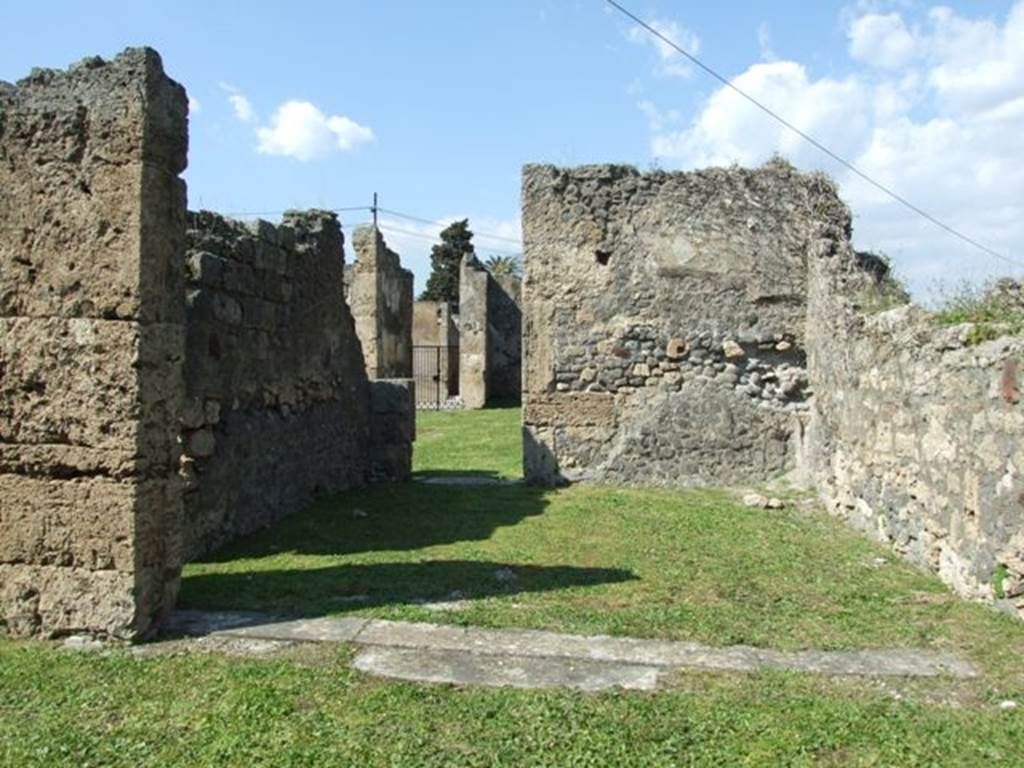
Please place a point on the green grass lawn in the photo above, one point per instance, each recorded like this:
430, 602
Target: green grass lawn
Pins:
469, 442
589, 559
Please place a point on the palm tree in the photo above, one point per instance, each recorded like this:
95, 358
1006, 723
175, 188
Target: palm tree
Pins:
505, 265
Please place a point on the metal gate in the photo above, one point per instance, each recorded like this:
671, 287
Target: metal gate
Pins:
436, 371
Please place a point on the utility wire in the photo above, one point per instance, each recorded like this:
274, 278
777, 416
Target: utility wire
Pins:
810, 139
425, 236
476, 233
390, 212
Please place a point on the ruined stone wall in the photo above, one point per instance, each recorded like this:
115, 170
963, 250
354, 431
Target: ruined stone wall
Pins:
663, 323
436, 371
916, 435
91, 344
504, 337
392, 429
277, 394
474, 281
433, 324
380, 293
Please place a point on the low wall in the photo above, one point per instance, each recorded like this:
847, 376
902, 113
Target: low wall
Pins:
663, 322
916, 435
392, 429
92, 216
276, 388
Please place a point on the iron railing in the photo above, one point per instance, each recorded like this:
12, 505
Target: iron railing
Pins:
436, 371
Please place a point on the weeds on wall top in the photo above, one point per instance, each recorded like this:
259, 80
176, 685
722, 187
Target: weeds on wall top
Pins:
886, 290
996, 309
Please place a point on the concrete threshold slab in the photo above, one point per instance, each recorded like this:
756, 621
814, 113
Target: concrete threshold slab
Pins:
515, 656
432, 665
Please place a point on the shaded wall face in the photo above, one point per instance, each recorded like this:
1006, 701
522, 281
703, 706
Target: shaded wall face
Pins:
663, 323
396, 292
917, 437
277, 408
504, 329
91, 344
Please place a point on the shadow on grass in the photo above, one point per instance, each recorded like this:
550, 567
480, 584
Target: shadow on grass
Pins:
397, 517
503, 403
342, 588
355, 550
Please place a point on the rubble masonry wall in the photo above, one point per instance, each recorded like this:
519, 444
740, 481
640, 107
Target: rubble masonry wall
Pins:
92, 223
276, 390
663, 323
916, 432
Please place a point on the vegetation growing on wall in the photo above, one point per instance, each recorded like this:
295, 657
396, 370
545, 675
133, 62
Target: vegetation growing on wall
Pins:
995, 309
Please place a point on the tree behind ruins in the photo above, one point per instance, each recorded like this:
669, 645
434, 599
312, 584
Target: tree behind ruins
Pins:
445, 259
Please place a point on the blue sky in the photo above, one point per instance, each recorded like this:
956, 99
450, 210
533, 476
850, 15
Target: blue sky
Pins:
436, 105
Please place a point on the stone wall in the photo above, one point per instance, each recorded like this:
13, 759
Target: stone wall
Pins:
504, 337
380, 293
474, 282
436, 371
392, 429
916, 434
433, 324
92, 216
663, 323
490, 332
276, 410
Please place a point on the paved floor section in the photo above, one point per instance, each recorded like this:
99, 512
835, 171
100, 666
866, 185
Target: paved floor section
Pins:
533, 658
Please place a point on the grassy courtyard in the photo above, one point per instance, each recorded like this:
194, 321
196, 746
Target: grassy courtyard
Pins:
691, 565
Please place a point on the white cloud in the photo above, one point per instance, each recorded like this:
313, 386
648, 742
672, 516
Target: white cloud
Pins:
882, 40
671, 63
764, 42
194, 107
731, 129
975, 63
938, 117
300, 130
239, 103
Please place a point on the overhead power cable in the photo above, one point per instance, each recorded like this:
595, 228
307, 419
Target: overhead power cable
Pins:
390, 212
476, 233
811, 140
425, 236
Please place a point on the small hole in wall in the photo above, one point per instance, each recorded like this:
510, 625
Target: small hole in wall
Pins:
601, 257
